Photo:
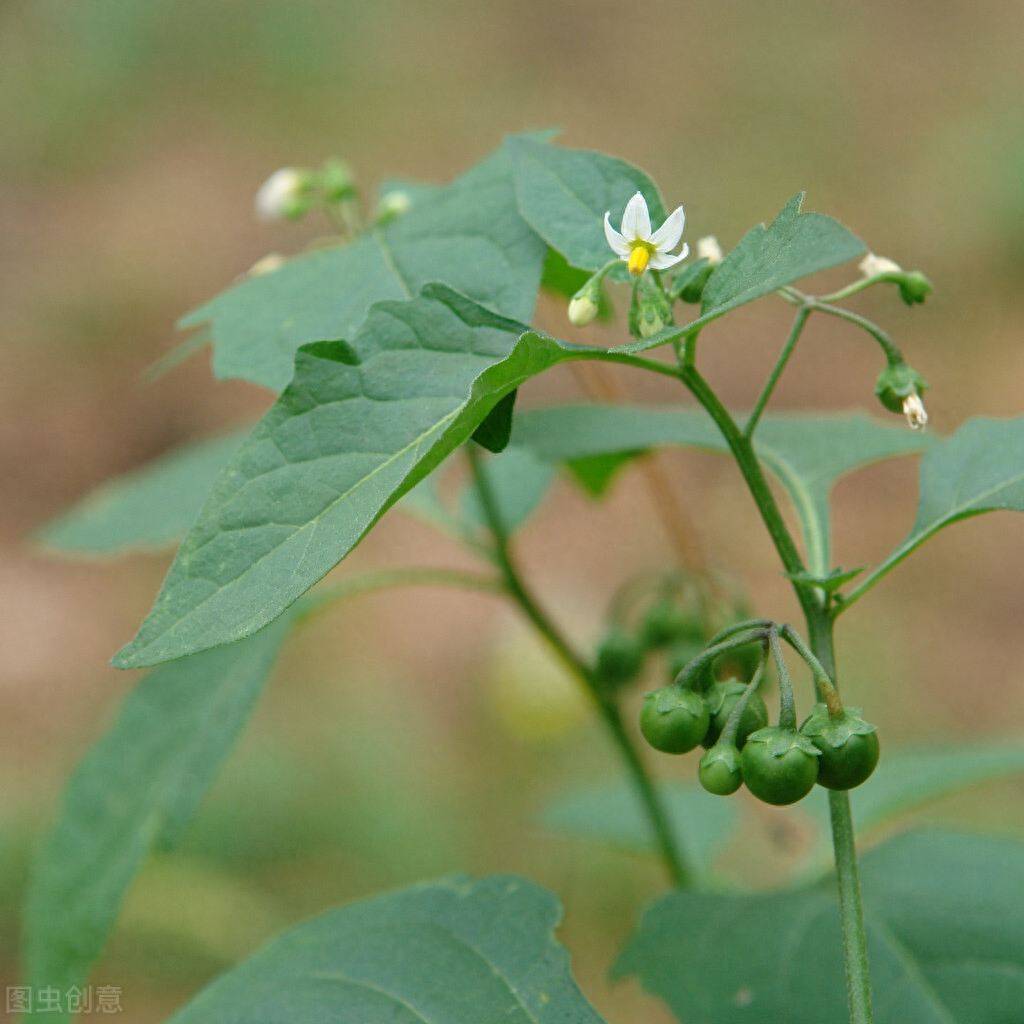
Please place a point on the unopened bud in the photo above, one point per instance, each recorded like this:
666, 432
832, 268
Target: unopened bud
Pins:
271, 262
391, 206
913, 287
582, 309
649, 322
337, 182
284, 195
873, 266
709, 249
899, 388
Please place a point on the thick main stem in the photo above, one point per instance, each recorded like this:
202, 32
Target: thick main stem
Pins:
851, 911
819, 631
610, 714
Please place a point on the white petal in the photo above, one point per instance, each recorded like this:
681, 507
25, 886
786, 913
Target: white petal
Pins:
636, 221
663, 260
668, 235
619, 245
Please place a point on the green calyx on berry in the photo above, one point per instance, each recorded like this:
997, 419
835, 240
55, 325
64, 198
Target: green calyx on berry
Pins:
780, 766
673, 720
620, 657
721, 699
848, 746
721, 770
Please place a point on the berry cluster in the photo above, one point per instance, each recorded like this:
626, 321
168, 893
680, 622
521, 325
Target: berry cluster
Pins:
779, 764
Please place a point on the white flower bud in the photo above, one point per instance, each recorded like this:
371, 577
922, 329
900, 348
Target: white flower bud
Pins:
582, 309
709, 249
872, 265
914, 410
271, 262
280, 196
392, 205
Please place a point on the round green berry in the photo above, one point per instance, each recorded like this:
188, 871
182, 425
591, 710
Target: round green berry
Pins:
665, 622
779, 765
721, 699
848, 746
620, 657
720, 770
673, 720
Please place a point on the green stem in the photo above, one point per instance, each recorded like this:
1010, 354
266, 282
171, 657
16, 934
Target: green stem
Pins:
787, 350
642, 782
892, 353
819, 627
787, 704
743, 451
823, 684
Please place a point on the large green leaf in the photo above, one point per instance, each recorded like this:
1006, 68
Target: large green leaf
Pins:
468, 235
979, 469
610, 814
807, 454
564, 193
451, 952
136, 790
794, 246
358, 426
945, 939
907, 779
150, 507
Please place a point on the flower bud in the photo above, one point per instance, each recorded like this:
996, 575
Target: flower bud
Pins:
913, 285
586, 303
709, 249
337, 182
875, 266
285, 195
899, 389
652, 313
391, 206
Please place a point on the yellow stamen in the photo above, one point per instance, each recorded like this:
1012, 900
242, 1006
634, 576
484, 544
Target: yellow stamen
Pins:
639, 257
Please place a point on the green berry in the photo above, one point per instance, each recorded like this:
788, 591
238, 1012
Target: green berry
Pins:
666, 622
720, 770
721, 699
620, 657
673, 720
779, 765
848, 745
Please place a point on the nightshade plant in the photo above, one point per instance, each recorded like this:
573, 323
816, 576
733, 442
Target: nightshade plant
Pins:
400, 346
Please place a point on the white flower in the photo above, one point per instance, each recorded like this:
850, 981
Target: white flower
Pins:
278, 197
709, 249
872, 265
914, 410
638, 245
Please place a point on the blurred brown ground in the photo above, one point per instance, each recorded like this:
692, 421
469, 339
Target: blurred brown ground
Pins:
132, 138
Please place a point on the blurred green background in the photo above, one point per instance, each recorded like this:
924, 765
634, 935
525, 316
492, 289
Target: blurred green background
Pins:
410, 735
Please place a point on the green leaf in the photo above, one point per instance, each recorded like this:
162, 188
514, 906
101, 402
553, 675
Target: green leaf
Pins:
594, 473
979, 469
137, 790
563, 195
450, 952
794, 246
945, 942
358, 426
807, 454
496, 429
610, 814
468, 235
907, 779
151, 507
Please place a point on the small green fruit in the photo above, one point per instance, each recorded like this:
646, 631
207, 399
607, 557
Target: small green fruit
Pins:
620, 657
848, 745
720, 770
779, 765
665, 622
721, 699
673, 720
